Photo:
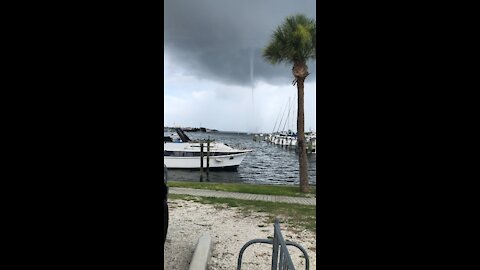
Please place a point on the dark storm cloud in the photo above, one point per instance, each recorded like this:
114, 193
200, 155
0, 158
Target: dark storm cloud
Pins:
214, 39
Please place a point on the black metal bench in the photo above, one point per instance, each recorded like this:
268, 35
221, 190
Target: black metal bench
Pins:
281, 259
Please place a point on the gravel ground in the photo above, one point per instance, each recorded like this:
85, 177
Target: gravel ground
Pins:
230, 230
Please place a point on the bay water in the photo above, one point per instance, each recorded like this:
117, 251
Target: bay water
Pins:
267, 164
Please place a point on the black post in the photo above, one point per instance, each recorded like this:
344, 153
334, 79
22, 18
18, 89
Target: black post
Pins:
208, 157
201, 162
275, 246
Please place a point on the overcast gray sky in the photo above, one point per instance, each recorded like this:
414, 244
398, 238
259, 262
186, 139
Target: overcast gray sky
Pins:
214, 73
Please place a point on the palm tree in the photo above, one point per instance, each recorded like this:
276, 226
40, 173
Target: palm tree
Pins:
294, 42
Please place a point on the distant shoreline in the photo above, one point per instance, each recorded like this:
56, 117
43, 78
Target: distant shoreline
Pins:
202, 129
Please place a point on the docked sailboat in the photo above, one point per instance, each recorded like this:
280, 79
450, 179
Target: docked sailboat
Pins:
183, 153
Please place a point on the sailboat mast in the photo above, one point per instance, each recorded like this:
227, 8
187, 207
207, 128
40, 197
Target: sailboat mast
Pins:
288, 115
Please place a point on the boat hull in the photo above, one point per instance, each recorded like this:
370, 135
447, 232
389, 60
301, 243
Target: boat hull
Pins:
216, 162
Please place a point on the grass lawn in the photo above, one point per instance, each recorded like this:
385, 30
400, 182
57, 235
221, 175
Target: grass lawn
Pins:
298, 216
247, 188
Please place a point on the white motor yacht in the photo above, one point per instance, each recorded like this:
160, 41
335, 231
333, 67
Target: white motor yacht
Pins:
184, 153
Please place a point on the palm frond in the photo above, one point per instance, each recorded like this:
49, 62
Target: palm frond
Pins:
294, 40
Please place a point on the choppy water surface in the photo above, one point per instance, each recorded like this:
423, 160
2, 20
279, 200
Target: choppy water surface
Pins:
267, 164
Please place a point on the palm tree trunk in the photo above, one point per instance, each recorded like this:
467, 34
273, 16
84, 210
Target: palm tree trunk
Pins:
301, 145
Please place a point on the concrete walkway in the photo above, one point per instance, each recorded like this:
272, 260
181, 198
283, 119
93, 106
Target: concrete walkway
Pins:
242, 196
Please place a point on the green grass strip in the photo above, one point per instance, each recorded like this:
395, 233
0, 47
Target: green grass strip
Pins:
247, 188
